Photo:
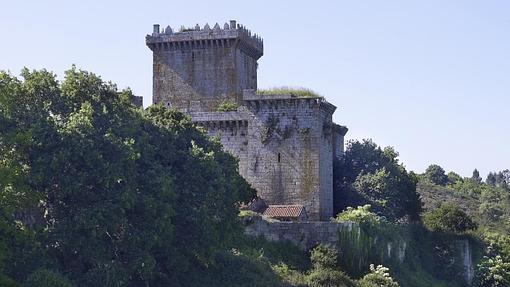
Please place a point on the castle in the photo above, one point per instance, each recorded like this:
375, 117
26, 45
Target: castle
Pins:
285, 142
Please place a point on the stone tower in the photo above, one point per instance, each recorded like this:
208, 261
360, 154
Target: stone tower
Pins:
285, 142
196, 69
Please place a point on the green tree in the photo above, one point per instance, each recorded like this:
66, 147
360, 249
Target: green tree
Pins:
454, 178
371, 175
130, 197
436, 174
476, 176
491, 179
449, 217
499, 179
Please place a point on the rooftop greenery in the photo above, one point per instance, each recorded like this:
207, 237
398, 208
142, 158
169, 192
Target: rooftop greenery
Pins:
293, 91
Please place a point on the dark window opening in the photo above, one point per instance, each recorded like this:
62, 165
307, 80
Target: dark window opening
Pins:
279, 157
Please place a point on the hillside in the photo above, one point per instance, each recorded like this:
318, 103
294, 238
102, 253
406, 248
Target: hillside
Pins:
488, 205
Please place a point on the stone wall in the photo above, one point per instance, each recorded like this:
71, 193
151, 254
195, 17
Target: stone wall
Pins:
284, 147
289, 155
338, 139
358, 247
198, 69
307, 235
232, 130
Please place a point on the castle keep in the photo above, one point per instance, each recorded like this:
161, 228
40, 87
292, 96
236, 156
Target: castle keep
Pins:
285, 143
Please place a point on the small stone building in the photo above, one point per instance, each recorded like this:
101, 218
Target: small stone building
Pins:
286, 212
285, 143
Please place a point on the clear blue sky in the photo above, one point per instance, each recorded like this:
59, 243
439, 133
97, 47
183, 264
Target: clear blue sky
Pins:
431, 78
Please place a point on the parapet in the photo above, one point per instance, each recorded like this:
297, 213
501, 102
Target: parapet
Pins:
252, 98
235, 120
198, 37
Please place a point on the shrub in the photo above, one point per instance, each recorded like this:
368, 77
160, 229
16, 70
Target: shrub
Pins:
328, 278
325, 269
453, 178
227, 106
291, 276
492, 272
449, 217
47, 278
323, 257
378, 277
361, 214
298, 92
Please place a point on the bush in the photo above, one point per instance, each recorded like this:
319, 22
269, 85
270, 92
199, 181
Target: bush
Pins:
297, 92
323, 257
361, 215
453, 178
291, 276
378, 277
47, 278
449, 217
328, 278
492, 272
324, 272
227, 106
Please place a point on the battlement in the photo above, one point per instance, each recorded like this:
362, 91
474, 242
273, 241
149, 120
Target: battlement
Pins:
204, 37
255, 100
225, 117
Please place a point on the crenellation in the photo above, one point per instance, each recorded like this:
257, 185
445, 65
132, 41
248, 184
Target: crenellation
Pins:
241, 33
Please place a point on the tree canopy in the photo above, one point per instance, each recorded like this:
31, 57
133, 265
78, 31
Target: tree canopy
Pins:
436, 175
371, 175
124, 195
449, 217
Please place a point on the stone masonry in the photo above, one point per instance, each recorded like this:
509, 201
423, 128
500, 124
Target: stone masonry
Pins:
197, 69
285, 144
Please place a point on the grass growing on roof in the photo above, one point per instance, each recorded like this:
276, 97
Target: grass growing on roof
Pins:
293, 91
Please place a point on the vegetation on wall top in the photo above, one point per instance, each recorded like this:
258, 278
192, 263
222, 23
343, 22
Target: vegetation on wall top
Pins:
293, 91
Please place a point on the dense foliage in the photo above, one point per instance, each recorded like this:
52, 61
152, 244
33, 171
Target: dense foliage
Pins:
474, 203
492, 272
46, 278
122, 196
361, 215
450, 218
97, 192
378, 277
371, 175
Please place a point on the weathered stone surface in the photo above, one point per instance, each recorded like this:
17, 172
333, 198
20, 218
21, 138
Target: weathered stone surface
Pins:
285, 144
205, 66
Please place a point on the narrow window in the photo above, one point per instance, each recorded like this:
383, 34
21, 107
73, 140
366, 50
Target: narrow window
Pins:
279, 157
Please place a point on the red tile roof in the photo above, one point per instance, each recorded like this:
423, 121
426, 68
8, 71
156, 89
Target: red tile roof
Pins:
288, 211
